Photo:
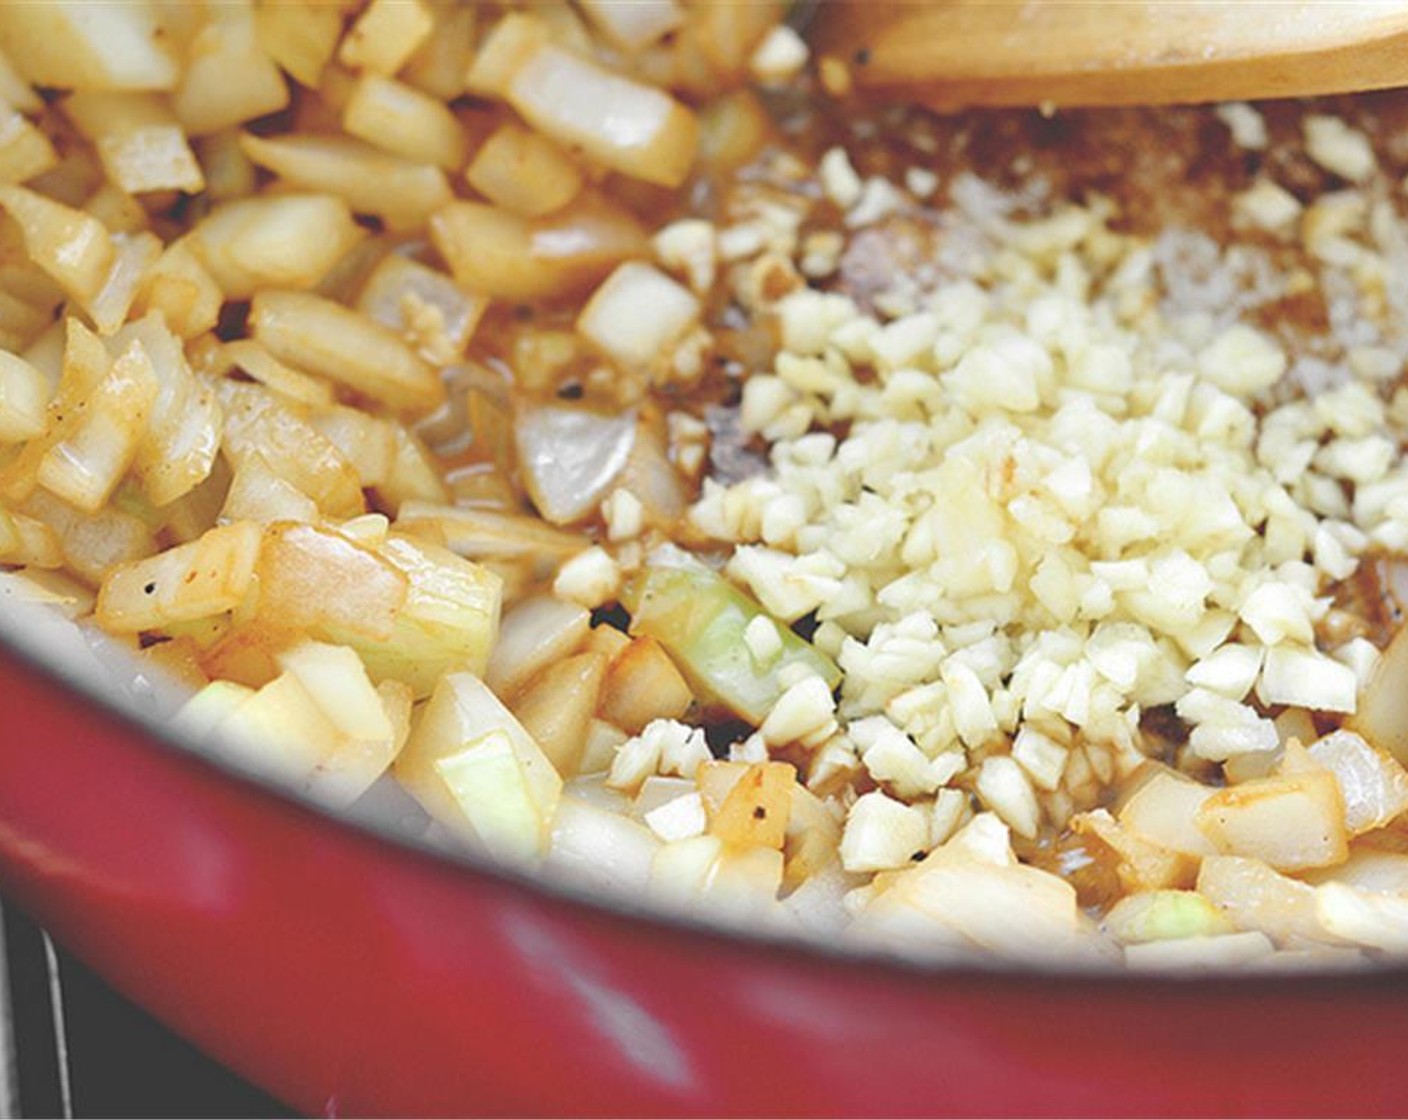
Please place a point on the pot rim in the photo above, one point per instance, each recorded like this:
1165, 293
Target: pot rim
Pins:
110, 702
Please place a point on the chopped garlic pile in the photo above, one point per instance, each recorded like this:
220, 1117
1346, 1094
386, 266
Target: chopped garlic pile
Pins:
1056, 507
1030, 503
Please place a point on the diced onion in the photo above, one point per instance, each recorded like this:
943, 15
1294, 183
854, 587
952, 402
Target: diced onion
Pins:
23, 394
229, 80
328, 339
637, 314
1163, 808
1254, 896
69, 245
1017, 910
1290, 822
194, 580
105, 48
372, 181
464, 714
503, 254
313, 579
425, 307
1376, 920
524, 172
404, 121
281, 241
629, 127
637, 25
535, 632
558, 705
1374, 786
1382, 715
571, 457
598, 848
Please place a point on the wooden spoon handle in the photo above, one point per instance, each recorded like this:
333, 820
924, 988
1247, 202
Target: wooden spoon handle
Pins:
1082, 52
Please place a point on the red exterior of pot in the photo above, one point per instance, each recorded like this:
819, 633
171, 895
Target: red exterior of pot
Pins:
349, 975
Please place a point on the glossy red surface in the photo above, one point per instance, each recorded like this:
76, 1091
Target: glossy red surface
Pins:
351, 976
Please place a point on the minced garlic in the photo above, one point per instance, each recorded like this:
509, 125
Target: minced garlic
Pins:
1056, 504
1338, 148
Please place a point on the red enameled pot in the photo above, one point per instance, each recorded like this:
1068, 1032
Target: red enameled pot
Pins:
349, 973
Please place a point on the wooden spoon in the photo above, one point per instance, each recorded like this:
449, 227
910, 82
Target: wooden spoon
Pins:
954, 53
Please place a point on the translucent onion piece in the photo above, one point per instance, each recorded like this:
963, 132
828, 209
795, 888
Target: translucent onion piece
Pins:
317, 580
537, 632
599, 848
1382, 717
636, 314
633, 26
1374, 786
570, 457
629, 127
